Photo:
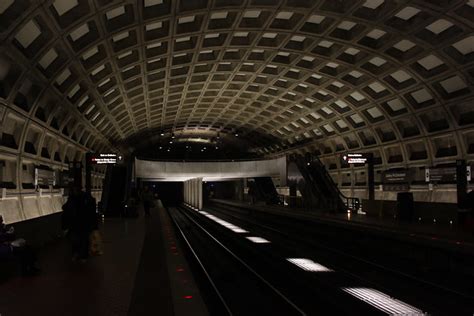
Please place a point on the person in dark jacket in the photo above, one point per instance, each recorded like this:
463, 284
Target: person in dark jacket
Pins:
147, 198
10, 245
79, 219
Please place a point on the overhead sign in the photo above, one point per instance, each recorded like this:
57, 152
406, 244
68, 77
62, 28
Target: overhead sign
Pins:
355, 158
104, 158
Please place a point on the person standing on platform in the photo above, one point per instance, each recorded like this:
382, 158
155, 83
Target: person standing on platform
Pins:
470, 206
18, 247
79, 219
147, 198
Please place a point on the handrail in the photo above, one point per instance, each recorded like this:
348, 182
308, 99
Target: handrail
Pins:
305, 171
352, 203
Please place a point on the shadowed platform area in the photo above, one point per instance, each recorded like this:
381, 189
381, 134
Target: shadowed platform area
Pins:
130, 278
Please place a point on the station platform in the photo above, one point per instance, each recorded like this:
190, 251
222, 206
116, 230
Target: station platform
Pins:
450, 236
142, 272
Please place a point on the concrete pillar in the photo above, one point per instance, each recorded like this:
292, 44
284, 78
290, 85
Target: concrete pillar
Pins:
199, 193
193, 192
185, 192
293, 194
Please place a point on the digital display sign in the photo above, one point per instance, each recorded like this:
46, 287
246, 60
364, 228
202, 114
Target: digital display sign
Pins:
104, 159
355, 159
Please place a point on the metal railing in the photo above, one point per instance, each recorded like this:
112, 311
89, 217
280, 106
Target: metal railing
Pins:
351, 203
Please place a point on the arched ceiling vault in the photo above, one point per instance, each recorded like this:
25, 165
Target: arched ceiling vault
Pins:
393, 77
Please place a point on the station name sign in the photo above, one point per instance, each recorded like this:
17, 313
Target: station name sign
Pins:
104, 158
397, 180
355, 158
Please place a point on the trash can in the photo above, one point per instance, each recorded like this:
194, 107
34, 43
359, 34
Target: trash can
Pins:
405, 206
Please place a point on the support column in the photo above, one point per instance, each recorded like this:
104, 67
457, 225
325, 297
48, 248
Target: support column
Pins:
293, 191
461, 180
371, 176
199, 191
88, 174
185, 192
194, 202
193, 192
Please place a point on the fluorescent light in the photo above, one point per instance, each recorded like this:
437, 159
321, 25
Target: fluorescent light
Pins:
258, 240
308, 265
382, 301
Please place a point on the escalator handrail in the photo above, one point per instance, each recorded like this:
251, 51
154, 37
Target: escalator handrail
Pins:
306, 174
352, 203
354, 200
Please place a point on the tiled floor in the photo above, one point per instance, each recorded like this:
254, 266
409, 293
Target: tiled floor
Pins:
101, 286
130, 278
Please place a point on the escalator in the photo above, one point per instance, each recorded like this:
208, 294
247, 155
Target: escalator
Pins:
316, 186
266, 190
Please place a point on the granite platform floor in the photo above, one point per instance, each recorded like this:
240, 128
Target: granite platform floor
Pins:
132, 277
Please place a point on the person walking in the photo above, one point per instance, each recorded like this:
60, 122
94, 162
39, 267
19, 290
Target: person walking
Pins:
147, 198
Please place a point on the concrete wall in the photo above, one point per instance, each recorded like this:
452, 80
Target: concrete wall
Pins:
443, 193
46, 131
424, 211
209, 171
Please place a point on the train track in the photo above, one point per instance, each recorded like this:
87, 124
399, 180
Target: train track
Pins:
434, 298
299, 285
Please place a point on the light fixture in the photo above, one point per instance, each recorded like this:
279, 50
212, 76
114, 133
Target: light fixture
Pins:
162, 134
171, 141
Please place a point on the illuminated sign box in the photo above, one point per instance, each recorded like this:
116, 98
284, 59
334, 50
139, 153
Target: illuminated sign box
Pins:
355, 159
104, 159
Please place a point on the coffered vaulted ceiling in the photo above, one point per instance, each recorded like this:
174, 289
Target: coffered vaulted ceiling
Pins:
391, 77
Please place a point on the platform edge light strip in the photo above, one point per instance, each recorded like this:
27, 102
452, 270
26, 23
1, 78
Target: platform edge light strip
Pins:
308, 265
382, 301
234, 228
258, 240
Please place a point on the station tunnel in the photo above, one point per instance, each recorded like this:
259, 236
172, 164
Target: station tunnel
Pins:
236, 157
